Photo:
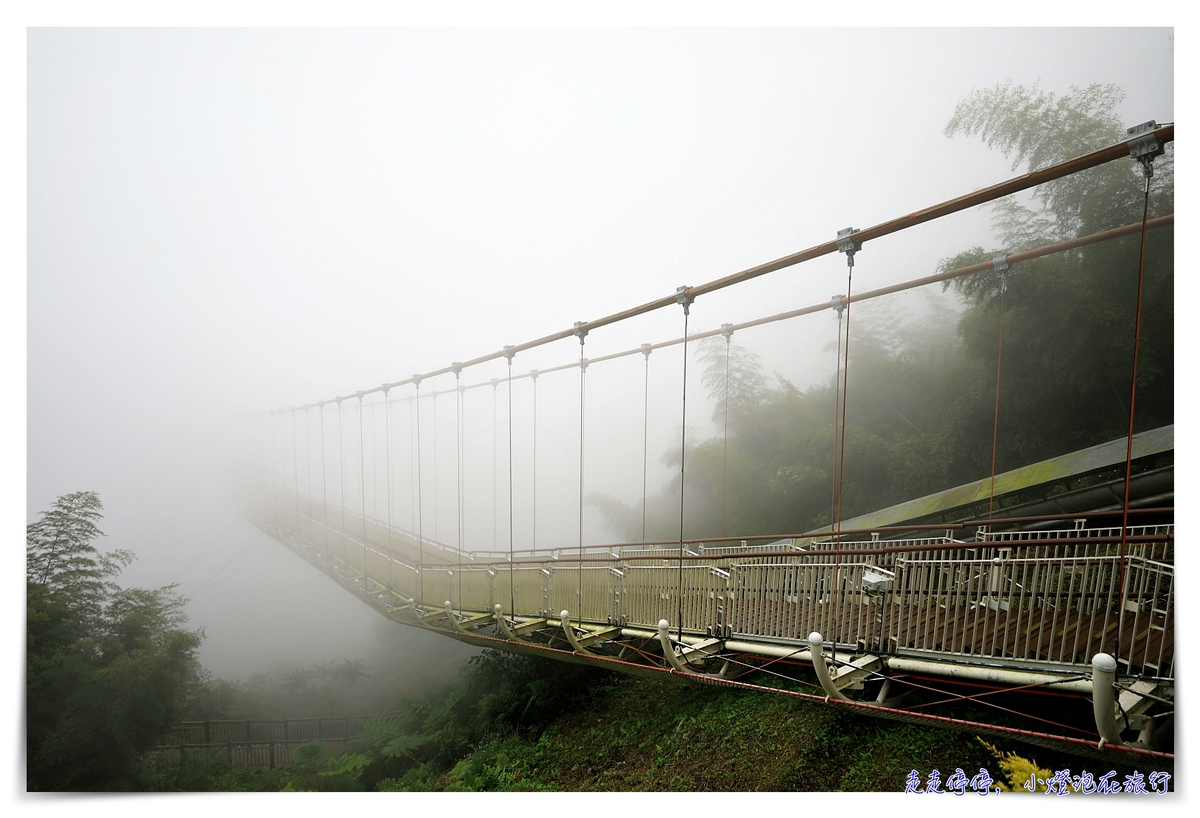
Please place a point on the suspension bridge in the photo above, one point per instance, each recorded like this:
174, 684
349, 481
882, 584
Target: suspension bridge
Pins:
1043, 595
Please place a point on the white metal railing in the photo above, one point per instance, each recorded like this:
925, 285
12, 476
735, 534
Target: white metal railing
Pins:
1041, 598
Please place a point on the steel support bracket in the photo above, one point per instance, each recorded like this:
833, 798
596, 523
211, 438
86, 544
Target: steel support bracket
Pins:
846, 243
664, 638
853, 675
1002, 269
815, 645
701, 653
530, 626
569, 630
683, 299
453, 619
509, 633
1144, 145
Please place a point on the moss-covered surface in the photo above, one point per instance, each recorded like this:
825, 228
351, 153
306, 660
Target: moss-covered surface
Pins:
658, 734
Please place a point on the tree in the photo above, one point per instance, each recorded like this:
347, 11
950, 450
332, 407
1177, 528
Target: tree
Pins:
1068, 337
732, 374
922, 383
108, 669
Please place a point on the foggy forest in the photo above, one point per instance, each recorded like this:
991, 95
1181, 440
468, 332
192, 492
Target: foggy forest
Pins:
236, 235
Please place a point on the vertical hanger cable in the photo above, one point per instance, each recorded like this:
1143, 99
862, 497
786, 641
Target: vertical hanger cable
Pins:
685, 301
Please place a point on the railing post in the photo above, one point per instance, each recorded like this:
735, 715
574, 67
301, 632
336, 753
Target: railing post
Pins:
1104, 676
207, 738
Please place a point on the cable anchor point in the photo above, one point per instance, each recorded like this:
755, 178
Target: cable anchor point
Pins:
580, 331
533, 373
838, 302
646, 350
509, 352
683, 298
727, 331
847, 244
1002, 269
1144, 146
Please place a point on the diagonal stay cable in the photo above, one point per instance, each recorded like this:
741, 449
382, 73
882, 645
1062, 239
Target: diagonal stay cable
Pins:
999, 690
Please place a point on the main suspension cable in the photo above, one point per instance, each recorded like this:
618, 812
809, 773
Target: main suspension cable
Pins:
948, 275
1165, 133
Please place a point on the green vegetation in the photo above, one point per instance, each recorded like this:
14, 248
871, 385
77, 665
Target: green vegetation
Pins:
514, 723
321, 689
922, 386
108, 669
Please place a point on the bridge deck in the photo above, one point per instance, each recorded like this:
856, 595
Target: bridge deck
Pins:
1033, 600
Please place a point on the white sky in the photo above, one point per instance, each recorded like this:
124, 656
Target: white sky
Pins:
223, 221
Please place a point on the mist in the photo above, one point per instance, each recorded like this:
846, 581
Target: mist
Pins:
225, 223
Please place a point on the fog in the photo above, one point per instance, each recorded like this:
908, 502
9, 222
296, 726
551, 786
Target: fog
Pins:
223, 223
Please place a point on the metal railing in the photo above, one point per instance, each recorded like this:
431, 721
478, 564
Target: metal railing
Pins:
255, 743
1045, 598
